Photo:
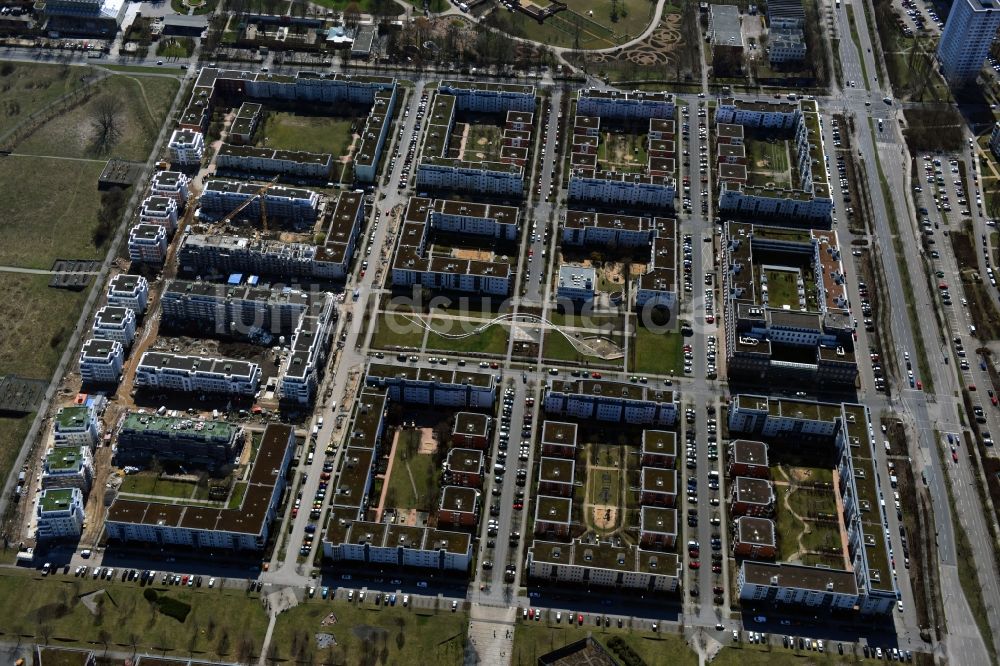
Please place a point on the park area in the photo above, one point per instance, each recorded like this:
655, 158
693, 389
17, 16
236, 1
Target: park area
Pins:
535, 639
414, 480
768, 160
623, 151
397, 331
603, 508
219, 624
315, 134
364, 633
657, 352
588, 24
481, 142
808, 521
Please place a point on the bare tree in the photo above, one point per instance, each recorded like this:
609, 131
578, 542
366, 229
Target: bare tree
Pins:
352, 15
106, 119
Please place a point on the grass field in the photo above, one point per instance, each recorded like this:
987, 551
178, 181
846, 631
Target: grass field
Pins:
557, 348
658, 353
595, 31
767, 162
788, 526
369, 634
425, 477
604, 486
782, 289
623, 152
34, 337
49, 609
365, 6
316, 134
50, 211
28, 87
534, 639
142, 103
395, 331
483, 142
749, 654
493, 340
149, 483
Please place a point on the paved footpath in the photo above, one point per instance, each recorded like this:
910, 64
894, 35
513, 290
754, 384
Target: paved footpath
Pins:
491, 635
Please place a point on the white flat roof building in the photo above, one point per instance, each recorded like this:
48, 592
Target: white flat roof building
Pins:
118, 324
101, 361
59, 514
129, 291
187, 147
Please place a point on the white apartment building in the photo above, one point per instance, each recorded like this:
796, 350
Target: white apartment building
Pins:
658, 285
116, 324
59, 514
245, 527
487, 177
770, 417
221, 197
481, 97
396, 545
605, 565
77, 425
758, 114
606, 400
632, 105
68, 467
585, 229
159, 210
147, 243
272, 161
431, 386
195, 374
624, 188
101, 361
465, 217
792, 584
773, 202
129, 291
965, 41
187, 147
173, 184
577, 283
302, 369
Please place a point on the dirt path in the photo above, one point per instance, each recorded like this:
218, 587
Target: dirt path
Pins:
145, 100
388, 475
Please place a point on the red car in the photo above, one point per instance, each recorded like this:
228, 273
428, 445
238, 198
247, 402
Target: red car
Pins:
295, 512
579, 619
596, 375
716, 568
531, 613
954, 456
518, 506
694, 564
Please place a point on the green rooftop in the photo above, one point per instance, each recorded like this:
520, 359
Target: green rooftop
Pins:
56, 499
63, 459
70, 418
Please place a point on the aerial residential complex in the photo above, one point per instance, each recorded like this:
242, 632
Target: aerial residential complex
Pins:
807, 197
867, 585
244, 527
605, 400
197, 374
446, 166
612, 181
786, 305
431, 386
415, 264
223, 254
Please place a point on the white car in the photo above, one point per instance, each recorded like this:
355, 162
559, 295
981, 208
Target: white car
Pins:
211, 582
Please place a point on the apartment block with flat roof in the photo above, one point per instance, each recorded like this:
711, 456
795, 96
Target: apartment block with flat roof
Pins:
186, 146
559, 439
754, 538
553, 516
147, 243
77, 425
658, 487
59, 514
173, 184
431, 386
369, 152
129, 291
459, 507
797, 585
197, 374
101, 361
471, 430
464, 467
221, 197
748, 458
483, 97
604, 564
657, 528
606, 400
160, 210
556, 476
659, 448
966, 39
576, 283
274, 161
352, 540
751, 497
244, 527
117, 324
635, 104
192, 442
68, 467
245, 123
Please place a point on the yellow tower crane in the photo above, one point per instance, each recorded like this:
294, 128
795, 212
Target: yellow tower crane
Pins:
263, 207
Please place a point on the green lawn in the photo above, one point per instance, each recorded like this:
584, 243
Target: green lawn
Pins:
789, 527
783, 289
48, 218
28, 87
767, 162
389, 634
658, 353
142, 103
813, 503
748, 654
366, 6
316, 134
493, 340
13, 430
223, 624
149, 483
34, 337
558, 348
422, 471
483, 142
623, 152
534, 639
595, 32
138, 69
181, 47
394, 331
